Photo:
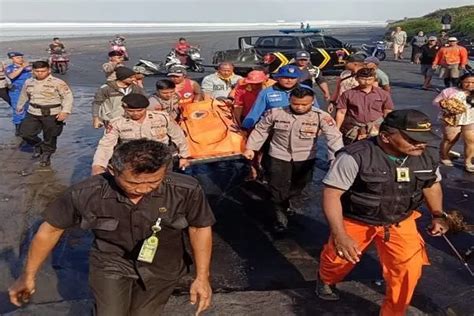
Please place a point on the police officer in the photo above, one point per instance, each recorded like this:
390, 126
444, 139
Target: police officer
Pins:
137, 212
275, 96
371, 193
18, 72
51, 103
138, 122
311, 74
4, 85
293, 133
107, 103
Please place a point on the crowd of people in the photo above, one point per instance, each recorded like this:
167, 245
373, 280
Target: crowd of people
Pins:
382, 168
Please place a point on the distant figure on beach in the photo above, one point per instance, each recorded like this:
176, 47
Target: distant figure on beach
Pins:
446, 21
307, 26
116, 59
443, 39
181, 48
416, 42
399, 39
302, 25
427, 56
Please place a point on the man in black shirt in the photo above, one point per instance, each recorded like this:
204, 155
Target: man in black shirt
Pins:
137, 213
428, 54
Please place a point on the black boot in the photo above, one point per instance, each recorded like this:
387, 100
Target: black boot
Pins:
447, 82
45, 160
17, 130
36, 152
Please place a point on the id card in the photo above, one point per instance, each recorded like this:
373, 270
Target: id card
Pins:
403, 174
148, 250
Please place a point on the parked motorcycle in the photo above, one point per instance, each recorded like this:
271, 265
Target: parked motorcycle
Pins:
148, 67
118, 45
377, 50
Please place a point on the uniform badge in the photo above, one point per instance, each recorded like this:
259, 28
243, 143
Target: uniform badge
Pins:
162, 210
403, 174
291, 70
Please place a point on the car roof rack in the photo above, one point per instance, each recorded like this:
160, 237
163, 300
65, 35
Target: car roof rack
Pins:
305, 30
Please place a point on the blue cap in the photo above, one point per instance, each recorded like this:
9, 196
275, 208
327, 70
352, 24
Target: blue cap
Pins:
288, 71
14, 54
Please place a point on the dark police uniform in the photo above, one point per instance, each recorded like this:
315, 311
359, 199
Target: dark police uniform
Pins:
121, 284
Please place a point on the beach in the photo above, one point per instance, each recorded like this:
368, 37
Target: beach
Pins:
252, 273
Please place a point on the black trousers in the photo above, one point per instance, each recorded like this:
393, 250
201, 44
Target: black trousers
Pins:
287, 179
33, 125
124, 296
5, 96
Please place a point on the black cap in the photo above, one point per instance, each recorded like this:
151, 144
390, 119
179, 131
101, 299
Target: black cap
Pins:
114, 53
355, 58
136, 101
124, 73
413, 123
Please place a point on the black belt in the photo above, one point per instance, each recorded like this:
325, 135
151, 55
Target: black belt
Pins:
46, 106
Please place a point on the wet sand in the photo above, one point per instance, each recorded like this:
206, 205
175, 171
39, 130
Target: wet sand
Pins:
253, 273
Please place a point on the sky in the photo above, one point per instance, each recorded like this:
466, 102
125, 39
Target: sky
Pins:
216, 11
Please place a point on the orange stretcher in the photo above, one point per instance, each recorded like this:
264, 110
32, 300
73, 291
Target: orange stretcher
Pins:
212, 132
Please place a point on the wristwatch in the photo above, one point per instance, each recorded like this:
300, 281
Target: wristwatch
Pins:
443, 214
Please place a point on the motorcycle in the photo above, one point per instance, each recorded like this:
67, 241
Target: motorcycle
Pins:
59, 61
377, 50
148, 67
118, 45
195, 60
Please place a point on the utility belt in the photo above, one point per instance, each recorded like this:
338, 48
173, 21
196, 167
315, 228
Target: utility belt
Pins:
45, 109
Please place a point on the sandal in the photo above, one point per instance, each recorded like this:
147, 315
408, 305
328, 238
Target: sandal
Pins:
469, 168
447, 162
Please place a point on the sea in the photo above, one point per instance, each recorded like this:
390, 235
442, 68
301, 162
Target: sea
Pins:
25, 31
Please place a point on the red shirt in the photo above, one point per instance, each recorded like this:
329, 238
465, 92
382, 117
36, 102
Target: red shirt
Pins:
245, 97
182, 48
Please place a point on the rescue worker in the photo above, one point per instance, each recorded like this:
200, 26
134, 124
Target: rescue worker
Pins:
137, 212
138, 122
311, 74
346, 80
293, 133
18, 72
107, 103
246, 93
383, 81
4, 83
188, 90
452, 60
277, 95
115, 60
165, 99
50, 104
221, 83
361, 110
373, 192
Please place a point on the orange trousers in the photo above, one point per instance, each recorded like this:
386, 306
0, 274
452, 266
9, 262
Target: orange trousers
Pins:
402, 258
